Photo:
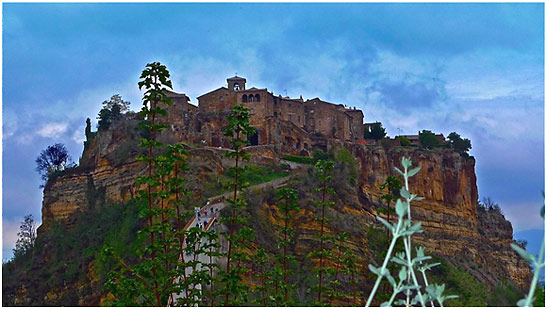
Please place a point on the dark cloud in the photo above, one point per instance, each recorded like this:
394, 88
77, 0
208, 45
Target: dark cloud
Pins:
408, 96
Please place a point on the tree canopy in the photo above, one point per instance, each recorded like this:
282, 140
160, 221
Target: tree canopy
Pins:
376, 132
52, 159
112, 110
459, 144
26, 237
428, 139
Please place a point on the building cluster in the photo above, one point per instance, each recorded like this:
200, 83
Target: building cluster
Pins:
279, 120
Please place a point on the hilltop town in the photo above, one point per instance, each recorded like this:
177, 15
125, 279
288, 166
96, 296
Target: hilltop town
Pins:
296, 123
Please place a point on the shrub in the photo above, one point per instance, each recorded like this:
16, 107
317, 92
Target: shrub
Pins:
376, 132
299, 159
460, 145
428, 139
404, 141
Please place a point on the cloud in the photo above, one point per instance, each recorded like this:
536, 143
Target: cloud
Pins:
10, 228
9, 237
523, 216
78, 136
25, 139
490, 73
53, 130
9, 123
406, 96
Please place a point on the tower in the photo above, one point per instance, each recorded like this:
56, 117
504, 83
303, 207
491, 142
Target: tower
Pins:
236, 83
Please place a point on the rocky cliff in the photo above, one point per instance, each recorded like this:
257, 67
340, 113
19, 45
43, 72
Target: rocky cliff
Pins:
455, 226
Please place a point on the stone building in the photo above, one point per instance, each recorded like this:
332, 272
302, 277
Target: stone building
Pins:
294, 123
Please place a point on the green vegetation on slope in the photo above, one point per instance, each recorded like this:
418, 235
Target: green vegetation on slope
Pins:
251, 174
472, 293
67, 264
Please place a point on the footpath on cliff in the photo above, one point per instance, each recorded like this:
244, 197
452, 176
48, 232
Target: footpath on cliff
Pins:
206, 217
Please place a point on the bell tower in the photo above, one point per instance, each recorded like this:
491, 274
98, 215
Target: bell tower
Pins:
236, 83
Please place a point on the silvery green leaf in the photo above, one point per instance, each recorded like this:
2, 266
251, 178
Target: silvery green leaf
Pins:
416, 227
402, 274
413, 171
451, 296
400, 208
399, 171
522, 302
405, 193
525, 255
420, 259
390, 278
384, 222
440, 289
406, 162
400, 302
420, 252
418, 198
385, 304
375, 270
398, 260
430, 289
429, 266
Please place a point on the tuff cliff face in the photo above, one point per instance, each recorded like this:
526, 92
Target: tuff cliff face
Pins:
106, 172
455, 226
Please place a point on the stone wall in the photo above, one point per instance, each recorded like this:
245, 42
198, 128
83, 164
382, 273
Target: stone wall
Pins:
221, 99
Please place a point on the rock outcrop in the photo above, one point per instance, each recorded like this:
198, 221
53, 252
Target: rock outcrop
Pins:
454, 224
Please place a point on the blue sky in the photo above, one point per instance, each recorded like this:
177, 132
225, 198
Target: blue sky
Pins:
477, 69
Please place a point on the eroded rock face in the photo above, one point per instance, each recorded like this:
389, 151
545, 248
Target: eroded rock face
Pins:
107, 173
454, 225
81, 191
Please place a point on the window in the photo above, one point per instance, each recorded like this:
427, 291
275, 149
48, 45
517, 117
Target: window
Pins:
289, 104
244, 99
221, 99
236, 87
257, 98
251, 98
275, 114
290, 117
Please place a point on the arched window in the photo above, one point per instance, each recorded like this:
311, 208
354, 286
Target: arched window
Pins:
236, 87
257, 98
221, 99
251, 98
244, 99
